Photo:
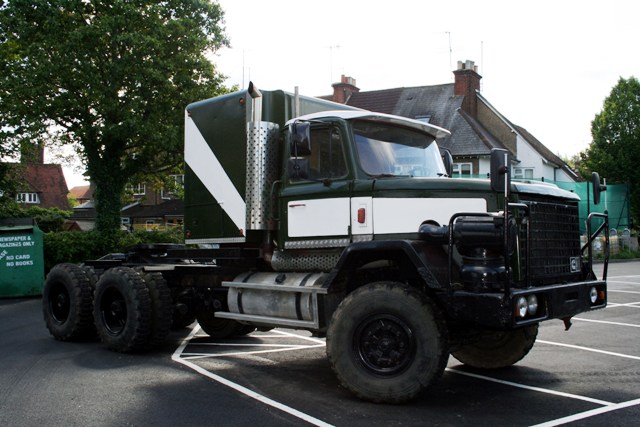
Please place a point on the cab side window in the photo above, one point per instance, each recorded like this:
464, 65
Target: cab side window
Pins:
327, 154
324, 161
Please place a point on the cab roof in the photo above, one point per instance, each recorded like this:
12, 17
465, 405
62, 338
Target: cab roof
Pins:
435, 131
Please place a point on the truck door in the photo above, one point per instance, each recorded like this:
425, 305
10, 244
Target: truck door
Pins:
315, 198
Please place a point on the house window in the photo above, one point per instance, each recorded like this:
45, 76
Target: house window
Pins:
27, 198
461, 169
178, 182
137, 189
522, 173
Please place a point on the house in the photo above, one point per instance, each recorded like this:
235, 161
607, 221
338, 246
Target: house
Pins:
476, 126
42, 185
81, 193
149, 208
152, 208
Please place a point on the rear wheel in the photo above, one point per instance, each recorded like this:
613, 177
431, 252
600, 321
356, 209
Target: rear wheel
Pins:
67, 300
246, 329
221, 328
122, 310
498, 349
387, 342
161, 306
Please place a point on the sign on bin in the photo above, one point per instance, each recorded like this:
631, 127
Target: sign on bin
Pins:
21, 258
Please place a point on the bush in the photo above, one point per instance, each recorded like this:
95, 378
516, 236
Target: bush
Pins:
76, 247
48, 219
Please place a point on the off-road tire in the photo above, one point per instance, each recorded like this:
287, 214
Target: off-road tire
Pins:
245, 329
91, 273
219, 328
122, 310
387, 342
498, 349
161, 307
67, 302
180, 320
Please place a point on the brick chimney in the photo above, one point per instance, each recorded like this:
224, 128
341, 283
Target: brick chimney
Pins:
467, 82
342, 91
32, 153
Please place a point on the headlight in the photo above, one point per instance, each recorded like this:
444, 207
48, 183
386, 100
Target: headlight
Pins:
521, 307
593, 294
532, 305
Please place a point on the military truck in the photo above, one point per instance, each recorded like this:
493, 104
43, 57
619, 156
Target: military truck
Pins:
302, 213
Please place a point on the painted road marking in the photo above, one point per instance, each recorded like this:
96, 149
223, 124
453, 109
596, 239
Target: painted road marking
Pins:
531, 388
577, 347
630, 304
606, 322
589, 414
249, 393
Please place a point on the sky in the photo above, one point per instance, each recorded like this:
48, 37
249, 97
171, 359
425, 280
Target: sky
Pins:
547, 66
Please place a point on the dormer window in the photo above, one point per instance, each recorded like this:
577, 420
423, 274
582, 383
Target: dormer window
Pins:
30, 198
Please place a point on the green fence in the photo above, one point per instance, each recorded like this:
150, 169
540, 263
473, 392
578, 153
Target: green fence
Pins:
615, 200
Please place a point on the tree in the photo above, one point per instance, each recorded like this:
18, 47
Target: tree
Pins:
111, 78
615, 150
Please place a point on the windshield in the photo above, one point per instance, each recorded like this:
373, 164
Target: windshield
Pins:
387, 150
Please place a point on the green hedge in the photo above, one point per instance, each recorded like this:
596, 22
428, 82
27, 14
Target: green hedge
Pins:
76, 246
48, 219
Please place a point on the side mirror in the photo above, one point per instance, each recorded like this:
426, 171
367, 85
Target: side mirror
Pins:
300, 139
500, 171
597, 188
447, 158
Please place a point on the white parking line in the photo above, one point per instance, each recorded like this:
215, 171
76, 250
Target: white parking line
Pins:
577, 347
605, 322
184, 358
588, 414
629, 304
623, 292
279, 349
176, 357
528, 387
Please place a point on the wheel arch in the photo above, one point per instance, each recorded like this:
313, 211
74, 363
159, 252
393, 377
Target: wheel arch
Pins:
410, 262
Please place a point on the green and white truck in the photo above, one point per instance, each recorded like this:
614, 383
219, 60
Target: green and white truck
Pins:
302, 213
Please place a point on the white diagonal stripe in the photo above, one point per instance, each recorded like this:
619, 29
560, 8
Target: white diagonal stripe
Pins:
208, 169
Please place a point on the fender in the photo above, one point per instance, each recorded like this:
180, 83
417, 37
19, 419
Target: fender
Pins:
418, 263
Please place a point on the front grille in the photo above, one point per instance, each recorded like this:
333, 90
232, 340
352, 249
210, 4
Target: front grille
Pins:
555, 239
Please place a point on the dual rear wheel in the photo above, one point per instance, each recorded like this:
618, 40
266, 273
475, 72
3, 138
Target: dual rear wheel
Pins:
128, 310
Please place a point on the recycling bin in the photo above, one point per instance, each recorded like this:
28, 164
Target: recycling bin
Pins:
21, 258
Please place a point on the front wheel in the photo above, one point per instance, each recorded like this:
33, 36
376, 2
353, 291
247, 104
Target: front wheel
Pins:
498, 349
387, 342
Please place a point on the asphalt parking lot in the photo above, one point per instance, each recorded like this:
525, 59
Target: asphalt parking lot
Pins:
588, 376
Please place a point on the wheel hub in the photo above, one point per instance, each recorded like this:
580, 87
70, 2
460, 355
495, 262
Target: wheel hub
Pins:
385, 344
113, 308
116, 309
59, 304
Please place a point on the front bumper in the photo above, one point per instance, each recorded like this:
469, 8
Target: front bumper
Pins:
497, 310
